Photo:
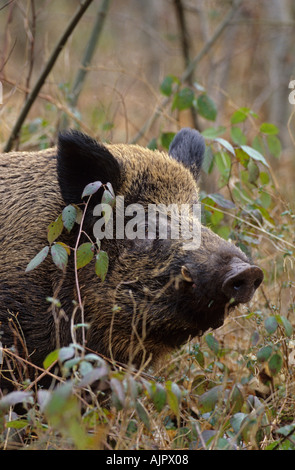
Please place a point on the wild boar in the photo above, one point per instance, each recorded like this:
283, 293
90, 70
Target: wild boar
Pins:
158, 292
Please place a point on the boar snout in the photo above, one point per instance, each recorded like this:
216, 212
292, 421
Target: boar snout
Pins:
241, 281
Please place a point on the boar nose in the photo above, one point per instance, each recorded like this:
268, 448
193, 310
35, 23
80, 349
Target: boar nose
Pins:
241, 281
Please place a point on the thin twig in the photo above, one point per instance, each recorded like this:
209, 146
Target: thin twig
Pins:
260, 229
21, 359
76, 272
219, 30
31, 33
6, 4
5, 34
53, 101
47, 69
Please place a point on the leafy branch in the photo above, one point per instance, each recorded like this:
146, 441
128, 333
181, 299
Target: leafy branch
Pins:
83, 253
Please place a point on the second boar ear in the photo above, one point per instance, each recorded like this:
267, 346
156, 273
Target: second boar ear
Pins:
188, 147
82, 160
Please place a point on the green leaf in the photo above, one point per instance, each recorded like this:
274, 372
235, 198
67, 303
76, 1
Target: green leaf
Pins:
13, 398
152, 145
265, 199
59, 256
268, 128
173, 396
251, 430
208, 400
166, 86
183, 99
265, 214
275, 364
264, 353
225, 144
142, 414
51, 358
85, 254
198, 355
66, 247
236, 421
111, 189
101, 264
286, 430
69, 215
91, 188
236, 400
59, 397
17, 423
240, 115
270, 324
85, 368
253, 172
242, 157
237, 136
118, 394
212, 343
54, 230
254, 154
158, 395
206, 107
166, 139
258, 144
37, 259
287, 326
221, 201
108, 198
274, 145
79, 214
223, 163
264, 177
66, 353
213, 132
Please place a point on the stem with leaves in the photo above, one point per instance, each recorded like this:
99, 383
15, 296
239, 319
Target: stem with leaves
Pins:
189, 69
76, 272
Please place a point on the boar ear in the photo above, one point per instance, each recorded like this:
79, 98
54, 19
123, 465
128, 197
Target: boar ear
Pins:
82, 160
188, 147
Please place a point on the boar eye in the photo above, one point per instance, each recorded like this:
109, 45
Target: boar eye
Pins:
186, 274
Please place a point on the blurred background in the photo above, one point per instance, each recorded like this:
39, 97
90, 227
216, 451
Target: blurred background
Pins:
249, 64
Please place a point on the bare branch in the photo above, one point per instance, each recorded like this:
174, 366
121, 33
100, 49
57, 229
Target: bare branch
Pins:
31, 33
48, 67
